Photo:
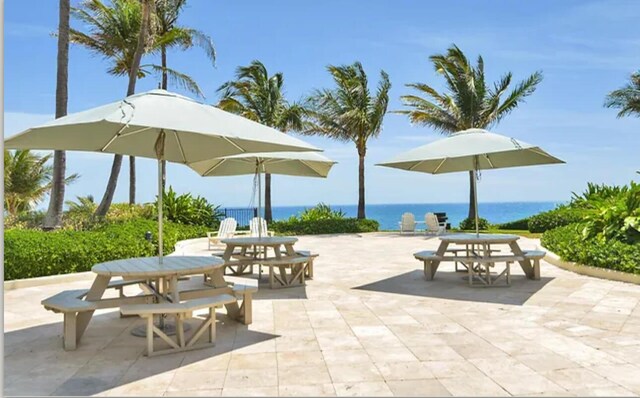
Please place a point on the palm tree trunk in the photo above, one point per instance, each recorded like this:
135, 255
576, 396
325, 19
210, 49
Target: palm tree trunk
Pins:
472, 204
103, 208
361, 154
268, 215
54, 212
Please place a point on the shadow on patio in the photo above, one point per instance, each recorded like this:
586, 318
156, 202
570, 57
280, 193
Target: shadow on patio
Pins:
108, 357
453, 286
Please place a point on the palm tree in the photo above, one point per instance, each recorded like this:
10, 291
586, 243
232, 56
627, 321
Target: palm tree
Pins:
257, 96
349, 112
468, 101
169, 34
627, 98
84, 204
27, 179
54, 212
116, 33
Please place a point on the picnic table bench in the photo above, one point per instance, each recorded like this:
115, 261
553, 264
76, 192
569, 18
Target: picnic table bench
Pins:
478, 266
182, 311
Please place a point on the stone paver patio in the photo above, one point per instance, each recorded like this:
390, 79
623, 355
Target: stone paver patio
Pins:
368, 324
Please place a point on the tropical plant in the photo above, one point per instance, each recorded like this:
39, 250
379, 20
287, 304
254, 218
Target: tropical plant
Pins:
627, 98
84, 204
27, 179
56, 199
470, 224
257, 96
350, 112
122, 32
169, 35
189, 210
468, 102
615, 215
321, 211
118, 33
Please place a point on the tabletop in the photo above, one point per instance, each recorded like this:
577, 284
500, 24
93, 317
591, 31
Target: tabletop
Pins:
482, 238
150, 267
260, 241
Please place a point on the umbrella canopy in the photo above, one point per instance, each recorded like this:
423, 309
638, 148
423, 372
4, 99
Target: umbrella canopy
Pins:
305, 164
472, 149
467, 150
157, 124
194, 131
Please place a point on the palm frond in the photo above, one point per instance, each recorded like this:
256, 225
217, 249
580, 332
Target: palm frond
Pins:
176, 78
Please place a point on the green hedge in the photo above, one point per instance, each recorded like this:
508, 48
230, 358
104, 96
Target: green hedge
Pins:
558, 217
520, 225
315, 227
569, 243
31, 253
470, 224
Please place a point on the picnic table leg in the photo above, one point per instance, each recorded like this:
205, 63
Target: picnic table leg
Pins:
432, 267
217, 280
290, 250
524, 264
95, 293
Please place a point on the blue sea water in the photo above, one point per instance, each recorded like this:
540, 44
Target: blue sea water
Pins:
388, 215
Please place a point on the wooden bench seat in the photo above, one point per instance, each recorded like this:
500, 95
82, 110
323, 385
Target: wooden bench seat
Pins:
535, 256
311, 256
296, 265
181, 311
245, 292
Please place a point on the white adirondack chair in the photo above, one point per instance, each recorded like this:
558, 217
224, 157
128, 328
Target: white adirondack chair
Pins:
432, 224
226, 230
407, 223
258, 227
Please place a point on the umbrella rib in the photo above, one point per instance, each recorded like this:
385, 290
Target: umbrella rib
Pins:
184, 158
135, 132
486, 156
234, 144
104, 148
416, 165
439, 166
215, 166
311, 167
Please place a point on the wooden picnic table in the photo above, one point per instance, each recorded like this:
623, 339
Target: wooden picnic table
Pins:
482, 243
254, 249
158, 279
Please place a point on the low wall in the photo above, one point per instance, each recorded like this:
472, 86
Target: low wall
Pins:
588, 270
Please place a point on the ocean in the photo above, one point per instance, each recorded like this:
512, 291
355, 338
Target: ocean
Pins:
388, 215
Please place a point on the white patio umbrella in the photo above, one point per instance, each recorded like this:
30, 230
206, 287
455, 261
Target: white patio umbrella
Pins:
157, 124
304, 164
472, 149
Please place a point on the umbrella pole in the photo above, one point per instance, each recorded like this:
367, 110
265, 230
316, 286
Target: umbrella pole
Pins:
475, 193
160, 195
259, 202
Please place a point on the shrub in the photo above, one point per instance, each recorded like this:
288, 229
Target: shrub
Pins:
31, 253
320, 212
615, 216
470, 224
294, 226
189, 210
522, 224
558, 217
571, 245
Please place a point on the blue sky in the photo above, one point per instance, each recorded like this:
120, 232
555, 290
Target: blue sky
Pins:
585, 49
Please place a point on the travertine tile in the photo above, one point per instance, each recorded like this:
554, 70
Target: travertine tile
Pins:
354, 372
404, 371
363, 389
418, 388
